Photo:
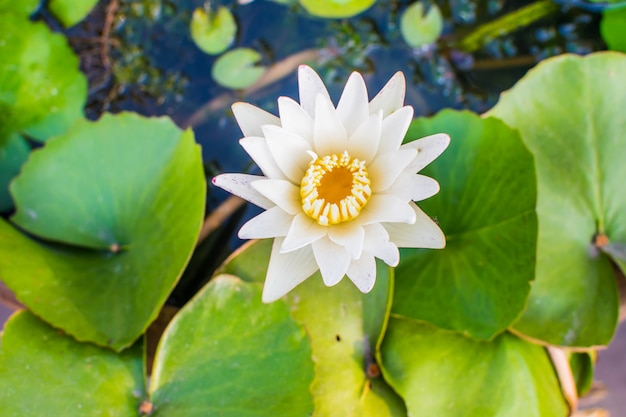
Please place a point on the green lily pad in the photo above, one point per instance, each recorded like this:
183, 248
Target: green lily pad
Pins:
213, 33
13, 152
238, 68
582, 364
568, 111
336, 8
22, 7
420, 29
612, 28
125, 196
345, 328
444, 374
478, 284
70, 12
228, 354
46, 373
42, 92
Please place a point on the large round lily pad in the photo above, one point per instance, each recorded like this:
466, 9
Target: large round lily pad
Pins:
46, 373
443, 374
479, 283
345, 328
125, 197
228, 354
42, 92
569, 111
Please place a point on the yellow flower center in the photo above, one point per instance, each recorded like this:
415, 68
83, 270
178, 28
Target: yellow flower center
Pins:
335, 189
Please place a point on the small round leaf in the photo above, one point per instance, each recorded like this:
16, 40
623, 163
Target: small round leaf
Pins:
418, 29
238, 68
213, 32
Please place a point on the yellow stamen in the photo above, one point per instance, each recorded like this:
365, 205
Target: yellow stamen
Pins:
335, 189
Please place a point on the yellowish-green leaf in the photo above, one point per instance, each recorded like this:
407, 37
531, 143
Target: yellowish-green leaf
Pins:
213, 32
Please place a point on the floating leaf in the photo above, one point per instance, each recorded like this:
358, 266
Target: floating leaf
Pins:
582, 364
569, 113
46, 373
127, 190
345, 327
479, 283
22, 7
13, 152
238, 68
213, 33
42, 91
228, 354
612, 28
70, 12
336, 8
444, 374
418, 29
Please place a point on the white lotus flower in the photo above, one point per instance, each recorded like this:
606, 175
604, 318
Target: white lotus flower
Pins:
338, 185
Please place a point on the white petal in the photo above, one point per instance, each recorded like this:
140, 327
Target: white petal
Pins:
386, 208
310, 86
362, 272
250, 118
349, 235
414, 187
289, 151
387, 167
295, 119
424, 233
353, 108
258, 150
333, 260
303, 231
271, 223
287, 270
428, 148
328, 131
282, 193
363, 143
391, 96
394, 129
377, 243
239, 184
